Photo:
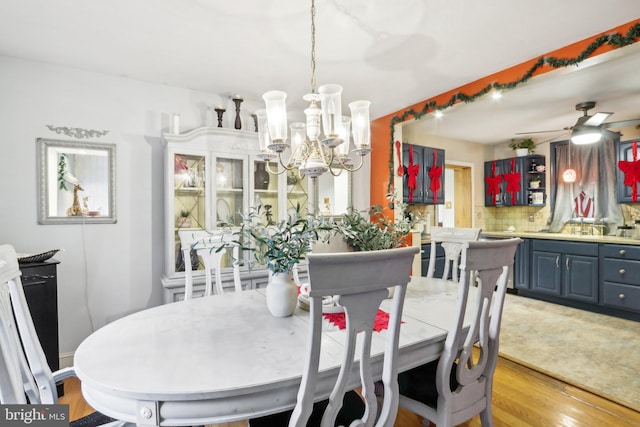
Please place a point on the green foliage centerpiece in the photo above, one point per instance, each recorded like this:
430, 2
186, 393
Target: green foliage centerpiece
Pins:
279, 246
374, 230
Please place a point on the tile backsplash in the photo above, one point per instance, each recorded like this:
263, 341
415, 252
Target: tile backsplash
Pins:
522, 218
499, 219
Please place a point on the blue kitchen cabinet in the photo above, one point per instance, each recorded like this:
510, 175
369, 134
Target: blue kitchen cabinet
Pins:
565, 269
504, 197
546, 275
580, 277
624, 192
595, 276
440, 258
620, 277
423, 156
526, 195
521, 265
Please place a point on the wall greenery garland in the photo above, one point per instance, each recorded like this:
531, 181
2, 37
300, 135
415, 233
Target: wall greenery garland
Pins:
617, 40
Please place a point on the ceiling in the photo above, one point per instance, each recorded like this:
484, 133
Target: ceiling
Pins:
547, 103
392, 53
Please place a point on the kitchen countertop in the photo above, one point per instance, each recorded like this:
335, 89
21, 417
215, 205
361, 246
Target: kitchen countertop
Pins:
562, 236
553, 236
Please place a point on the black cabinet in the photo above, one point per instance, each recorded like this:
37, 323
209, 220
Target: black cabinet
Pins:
39, 281
624, 193
515, 181
426, 158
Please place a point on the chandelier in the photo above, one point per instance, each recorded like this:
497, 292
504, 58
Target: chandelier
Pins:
311, 153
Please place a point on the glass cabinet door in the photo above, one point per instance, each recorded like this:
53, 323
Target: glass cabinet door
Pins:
230, 187
265, 190
189, 190
189, 197
297, 193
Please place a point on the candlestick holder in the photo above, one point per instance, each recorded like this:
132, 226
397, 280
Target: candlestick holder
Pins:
269, 214
255, 121
220, 111
237, 100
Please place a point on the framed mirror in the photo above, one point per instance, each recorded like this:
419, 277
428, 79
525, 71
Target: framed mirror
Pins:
76, 182
334, 194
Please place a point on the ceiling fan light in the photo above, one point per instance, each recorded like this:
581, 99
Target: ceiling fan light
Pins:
582, 135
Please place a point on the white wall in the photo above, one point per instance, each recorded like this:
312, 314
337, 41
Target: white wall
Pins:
107, 270
446, 212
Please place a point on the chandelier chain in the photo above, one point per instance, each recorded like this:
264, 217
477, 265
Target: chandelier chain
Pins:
313, 46
310, 155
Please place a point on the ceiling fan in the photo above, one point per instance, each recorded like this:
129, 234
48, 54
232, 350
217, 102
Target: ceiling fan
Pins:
588, 129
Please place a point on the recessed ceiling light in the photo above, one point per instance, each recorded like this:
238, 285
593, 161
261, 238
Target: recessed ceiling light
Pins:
439, 114
496, 94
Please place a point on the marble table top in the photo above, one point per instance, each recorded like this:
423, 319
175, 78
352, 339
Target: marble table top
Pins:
225, 358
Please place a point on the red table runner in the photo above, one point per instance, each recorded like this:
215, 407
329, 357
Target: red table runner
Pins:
339, 320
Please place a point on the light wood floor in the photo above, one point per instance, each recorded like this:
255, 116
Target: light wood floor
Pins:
521, 397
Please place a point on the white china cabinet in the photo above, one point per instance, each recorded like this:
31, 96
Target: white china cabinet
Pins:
212, 175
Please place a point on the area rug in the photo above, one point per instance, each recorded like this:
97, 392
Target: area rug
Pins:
595, 352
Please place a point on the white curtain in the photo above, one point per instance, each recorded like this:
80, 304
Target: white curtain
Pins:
593, 194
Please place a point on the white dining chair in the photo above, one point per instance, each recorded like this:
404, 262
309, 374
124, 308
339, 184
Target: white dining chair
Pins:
459, 385
451, 239
326, 243
358, 281
25, 376
210, 246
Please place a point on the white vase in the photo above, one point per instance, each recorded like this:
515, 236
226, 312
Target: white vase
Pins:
521, 152
282, 294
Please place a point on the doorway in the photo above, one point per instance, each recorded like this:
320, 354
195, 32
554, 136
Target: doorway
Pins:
458, 200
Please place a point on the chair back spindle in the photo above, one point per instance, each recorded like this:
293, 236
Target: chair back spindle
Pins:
451, 239
210, 246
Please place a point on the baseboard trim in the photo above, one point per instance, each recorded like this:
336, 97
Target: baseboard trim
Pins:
66, 360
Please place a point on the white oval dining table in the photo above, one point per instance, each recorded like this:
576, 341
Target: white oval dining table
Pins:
226, 358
